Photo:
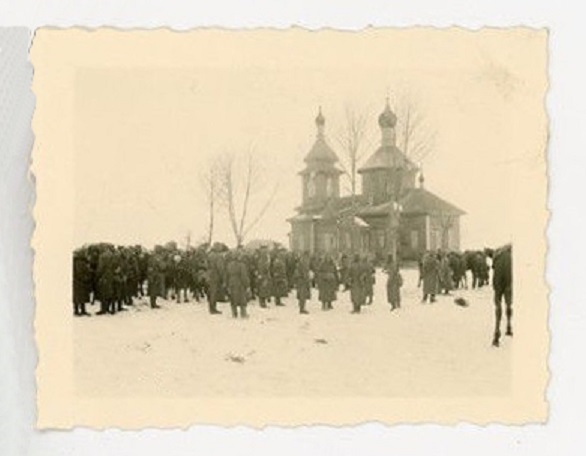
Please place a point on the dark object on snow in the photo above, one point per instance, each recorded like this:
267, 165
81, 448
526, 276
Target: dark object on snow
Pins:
461, 302
235, 358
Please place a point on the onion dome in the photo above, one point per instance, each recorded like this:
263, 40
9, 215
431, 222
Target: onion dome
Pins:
320, 119
387, 119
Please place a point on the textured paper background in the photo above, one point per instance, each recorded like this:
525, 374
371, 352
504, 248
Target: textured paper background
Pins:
58, 54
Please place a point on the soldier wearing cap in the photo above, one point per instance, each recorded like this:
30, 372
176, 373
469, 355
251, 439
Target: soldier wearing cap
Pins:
216, 276
264, 279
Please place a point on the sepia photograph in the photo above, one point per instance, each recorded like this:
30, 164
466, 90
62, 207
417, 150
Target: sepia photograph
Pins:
349, 220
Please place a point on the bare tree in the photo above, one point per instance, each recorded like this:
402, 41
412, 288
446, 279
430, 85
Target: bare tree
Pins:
210, 179
446, 223
415, 135
351, 139
244, 178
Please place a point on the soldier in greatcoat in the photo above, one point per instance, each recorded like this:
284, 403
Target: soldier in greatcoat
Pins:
344, 271
446, 275
302, 280
155, 279
119, 281
279, 275
327, 282
182, 276
370, 279
105, 281
216, 276
430, 276
358, 278
237, 284
264, 279
82, 282
394, 283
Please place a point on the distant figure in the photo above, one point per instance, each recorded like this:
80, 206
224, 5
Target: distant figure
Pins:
430, 276
216, 276
370, 279
280, 282
155, 279
264, 280
302, 281
358, 276
106, 291
446, 275
394, 283
502, 281
327, 282
237, 284
82, 283
344, 271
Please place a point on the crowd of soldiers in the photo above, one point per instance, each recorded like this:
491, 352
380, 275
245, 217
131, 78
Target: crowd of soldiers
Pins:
441, 272
115, 276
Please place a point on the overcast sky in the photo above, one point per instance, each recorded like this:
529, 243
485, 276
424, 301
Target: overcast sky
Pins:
146, 129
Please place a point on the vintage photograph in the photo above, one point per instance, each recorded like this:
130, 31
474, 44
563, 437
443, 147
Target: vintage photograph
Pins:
282, 215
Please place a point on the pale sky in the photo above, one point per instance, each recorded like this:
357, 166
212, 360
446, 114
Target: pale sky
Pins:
146, 125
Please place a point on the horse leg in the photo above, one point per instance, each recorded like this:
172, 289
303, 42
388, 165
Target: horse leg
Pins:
498, 315
509, 304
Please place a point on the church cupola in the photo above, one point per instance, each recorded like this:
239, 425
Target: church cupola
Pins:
387, 122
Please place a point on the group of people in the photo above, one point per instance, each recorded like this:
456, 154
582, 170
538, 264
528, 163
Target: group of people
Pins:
115, 276
441, 272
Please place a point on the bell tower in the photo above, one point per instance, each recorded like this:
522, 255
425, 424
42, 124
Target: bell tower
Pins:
320, 177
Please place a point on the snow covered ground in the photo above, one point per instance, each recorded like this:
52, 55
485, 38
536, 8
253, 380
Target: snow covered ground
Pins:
180, 350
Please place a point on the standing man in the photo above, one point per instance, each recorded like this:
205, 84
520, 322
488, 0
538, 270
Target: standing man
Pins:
237, 283
446, 275
82, 282
279, 274
216, 275
344, 270
302, 280
358, 276
155, 279
105, 273
370, 279
394, 283
264, 282
430, 276
327, 282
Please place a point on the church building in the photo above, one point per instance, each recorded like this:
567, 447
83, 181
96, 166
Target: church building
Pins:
395, 213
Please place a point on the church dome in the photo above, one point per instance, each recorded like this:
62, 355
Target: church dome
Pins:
387, 119
320, 119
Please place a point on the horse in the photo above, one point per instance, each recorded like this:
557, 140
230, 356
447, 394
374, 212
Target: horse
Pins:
475, 261
502, 282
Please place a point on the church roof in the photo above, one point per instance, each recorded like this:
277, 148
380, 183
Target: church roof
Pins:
416, 201
387, 157
321, 152
420, 200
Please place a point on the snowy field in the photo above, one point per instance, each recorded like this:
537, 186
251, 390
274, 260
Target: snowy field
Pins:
180, 350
